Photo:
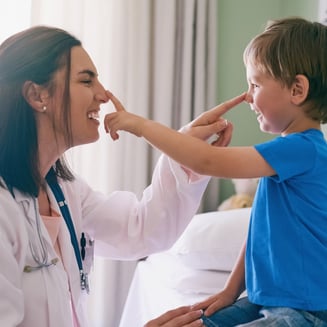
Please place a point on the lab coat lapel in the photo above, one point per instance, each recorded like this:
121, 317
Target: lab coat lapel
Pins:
57, 308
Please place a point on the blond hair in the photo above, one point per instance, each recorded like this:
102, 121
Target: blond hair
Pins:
293, 46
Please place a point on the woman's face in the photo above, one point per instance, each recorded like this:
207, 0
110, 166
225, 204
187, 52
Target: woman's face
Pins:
86, 96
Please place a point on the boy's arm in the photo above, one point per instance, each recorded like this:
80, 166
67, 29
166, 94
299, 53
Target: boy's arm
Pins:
190, 316
234, 287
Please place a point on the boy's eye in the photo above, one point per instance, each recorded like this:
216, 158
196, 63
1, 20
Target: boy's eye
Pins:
254, 86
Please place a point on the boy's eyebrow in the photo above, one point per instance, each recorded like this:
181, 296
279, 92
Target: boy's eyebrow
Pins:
91, 73
255, 77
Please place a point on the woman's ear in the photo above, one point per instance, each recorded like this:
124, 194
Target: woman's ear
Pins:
35, 95
300, 89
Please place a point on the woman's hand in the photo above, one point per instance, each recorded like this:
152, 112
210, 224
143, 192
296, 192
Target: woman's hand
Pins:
180, 317
218, 133
122, 120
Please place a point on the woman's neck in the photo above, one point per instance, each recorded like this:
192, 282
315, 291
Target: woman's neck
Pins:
44, 203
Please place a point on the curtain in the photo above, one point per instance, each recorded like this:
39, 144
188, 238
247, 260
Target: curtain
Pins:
322, 11
159, 58
13, 20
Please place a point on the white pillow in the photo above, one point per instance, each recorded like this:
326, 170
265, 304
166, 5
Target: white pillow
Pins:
212, 240
167, 270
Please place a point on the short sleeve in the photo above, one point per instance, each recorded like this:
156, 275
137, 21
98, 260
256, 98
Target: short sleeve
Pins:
289, 155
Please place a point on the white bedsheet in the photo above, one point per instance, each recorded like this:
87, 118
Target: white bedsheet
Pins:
196, 267
161, 283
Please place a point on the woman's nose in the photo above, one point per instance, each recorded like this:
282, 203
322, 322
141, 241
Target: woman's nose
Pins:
101, 94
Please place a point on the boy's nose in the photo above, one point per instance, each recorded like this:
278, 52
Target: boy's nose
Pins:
248, 98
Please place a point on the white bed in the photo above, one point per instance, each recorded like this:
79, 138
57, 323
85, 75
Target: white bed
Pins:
194, 268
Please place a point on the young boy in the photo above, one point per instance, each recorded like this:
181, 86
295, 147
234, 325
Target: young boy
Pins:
282, 265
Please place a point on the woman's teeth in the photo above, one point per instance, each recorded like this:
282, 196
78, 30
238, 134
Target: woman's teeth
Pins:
93, 115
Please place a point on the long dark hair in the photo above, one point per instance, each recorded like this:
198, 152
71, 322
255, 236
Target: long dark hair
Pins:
35, 54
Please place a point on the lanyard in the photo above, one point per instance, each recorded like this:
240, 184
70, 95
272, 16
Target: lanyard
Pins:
60, 198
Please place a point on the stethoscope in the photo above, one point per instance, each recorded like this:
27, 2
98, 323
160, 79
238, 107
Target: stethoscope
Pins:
42, 260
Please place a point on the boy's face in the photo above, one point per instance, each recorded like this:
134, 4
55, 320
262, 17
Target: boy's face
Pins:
270, 100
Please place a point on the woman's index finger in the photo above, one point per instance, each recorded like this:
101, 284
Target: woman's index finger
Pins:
229, 104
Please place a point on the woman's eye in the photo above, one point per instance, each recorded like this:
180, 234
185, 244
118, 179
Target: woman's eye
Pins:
87, 82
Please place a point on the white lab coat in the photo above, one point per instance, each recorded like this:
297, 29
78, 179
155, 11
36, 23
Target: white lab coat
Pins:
122, 226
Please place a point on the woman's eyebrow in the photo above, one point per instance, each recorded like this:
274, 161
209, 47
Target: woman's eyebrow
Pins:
91, 73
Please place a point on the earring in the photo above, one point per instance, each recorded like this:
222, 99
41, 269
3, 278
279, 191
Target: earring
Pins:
44, 108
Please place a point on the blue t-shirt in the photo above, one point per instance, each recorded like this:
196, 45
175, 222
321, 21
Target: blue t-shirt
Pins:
286, 256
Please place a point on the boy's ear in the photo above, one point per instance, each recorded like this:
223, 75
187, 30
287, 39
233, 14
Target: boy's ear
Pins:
35, 95
300, 89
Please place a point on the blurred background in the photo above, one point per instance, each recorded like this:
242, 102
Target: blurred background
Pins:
168, 60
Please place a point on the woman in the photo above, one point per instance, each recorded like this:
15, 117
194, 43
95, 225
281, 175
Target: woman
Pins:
50, 99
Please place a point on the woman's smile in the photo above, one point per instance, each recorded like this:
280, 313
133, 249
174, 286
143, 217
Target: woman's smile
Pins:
94, 116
